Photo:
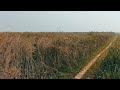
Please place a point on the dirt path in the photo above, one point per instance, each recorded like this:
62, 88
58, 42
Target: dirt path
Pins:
83, 71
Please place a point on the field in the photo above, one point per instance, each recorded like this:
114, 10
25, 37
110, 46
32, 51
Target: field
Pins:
60, 55
110, 66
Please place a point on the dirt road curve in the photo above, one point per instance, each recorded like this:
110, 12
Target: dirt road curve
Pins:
83, 71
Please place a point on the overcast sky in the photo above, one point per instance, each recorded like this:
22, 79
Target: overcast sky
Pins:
53, 21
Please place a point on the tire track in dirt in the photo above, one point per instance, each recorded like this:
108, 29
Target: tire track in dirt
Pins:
84, 70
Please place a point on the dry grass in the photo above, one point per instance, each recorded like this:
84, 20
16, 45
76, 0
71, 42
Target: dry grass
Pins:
46, 55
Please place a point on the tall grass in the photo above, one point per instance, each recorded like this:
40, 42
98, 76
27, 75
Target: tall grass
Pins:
110, 67
46, 55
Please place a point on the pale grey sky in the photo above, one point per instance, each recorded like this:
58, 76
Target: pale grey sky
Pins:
53, 21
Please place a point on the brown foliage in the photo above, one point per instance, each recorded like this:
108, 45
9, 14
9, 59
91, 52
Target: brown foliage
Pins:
42, 55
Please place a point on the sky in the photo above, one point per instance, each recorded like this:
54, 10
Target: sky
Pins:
57, 21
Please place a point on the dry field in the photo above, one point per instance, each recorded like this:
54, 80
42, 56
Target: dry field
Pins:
60, 55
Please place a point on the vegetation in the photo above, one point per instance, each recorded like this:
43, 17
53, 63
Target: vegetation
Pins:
47, 55
110, 66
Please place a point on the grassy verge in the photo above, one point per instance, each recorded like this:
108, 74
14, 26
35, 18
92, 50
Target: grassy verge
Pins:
107, 66
110, 66
88, 59
90, 73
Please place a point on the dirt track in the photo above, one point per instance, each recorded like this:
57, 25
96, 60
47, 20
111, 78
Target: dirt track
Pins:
84, 70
